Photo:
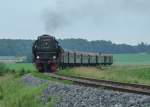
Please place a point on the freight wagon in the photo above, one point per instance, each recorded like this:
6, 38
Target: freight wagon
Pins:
70, 58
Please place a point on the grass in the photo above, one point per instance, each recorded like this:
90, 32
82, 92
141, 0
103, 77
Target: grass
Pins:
20, 69
13, 93
24, 68
20, 66
132, 59
124, 73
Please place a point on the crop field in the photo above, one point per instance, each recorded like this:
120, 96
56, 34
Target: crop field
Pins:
132, 59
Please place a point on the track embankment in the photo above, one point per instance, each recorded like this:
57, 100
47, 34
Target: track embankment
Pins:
125, 87
68, 95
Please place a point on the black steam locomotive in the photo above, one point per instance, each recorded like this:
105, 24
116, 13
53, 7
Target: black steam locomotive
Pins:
48, 55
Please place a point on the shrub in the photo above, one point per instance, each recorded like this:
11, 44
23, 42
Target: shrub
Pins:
22, 72
3, 69
1, 93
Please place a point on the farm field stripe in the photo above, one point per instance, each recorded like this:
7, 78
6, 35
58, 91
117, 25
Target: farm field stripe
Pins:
126, 87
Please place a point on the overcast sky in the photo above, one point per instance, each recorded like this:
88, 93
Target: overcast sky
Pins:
121, 21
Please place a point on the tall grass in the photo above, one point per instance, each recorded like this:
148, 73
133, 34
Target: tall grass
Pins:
13, 93
3, 69
20, 66
130, 74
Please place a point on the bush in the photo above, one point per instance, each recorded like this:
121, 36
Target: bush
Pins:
3, 69
1, 93
22, 72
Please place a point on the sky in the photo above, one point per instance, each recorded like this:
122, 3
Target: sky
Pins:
121, 21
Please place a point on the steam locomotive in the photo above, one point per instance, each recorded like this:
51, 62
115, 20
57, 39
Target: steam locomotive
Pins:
48, 55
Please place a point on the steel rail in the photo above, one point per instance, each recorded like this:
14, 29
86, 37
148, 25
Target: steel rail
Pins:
124, 87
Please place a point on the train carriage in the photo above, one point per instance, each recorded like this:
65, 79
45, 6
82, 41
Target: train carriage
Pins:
85, 59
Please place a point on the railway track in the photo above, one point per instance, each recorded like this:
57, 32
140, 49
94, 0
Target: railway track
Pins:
125, 87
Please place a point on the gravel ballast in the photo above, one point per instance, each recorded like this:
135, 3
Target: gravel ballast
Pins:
80, 96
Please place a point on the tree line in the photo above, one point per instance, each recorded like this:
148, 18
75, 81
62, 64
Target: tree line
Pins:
9, 47
103, 46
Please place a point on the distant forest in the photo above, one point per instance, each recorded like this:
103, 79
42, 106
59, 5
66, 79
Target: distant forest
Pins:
10, 47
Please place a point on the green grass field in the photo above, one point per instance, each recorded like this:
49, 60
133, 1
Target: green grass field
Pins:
20, 66
132, 59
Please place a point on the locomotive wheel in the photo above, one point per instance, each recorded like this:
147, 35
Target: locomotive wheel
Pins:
46, 67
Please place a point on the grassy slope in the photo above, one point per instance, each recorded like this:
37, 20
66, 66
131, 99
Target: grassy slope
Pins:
130, 74
13, 93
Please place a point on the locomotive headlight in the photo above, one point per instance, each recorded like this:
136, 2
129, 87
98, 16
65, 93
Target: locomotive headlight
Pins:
54, 57
38, 57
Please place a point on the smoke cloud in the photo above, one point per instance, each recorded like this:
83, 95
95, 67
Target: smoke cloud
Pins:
53, 21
